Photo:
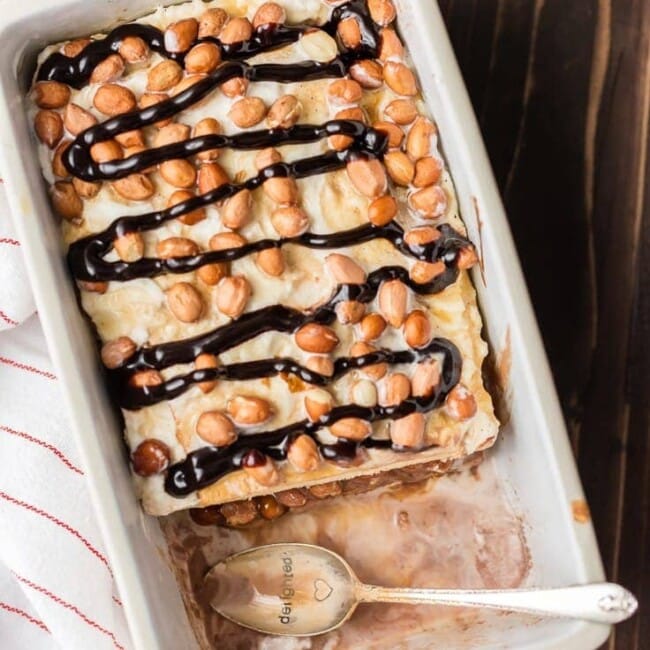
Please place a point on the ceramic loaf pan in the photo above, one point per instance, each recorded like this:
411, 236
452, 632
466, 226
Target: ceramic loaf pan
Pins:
533, 455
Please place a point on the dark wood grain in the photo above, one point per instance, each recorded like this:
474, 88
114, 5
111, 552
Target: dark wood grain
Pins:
562, 92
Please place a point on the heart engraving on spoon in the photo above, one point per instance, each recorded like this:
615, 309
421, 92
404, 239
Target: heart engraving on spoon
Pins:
322, 590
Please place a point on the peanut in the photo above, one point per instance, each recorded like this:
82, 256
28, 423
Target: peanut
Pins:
179, 173
211, 274
396, 389
236, 31
400, 79
76, 119
207, 126
112, 99
303, 454
375, 370
51, 94
281, 189
136, 187
114, 353
408, 431
225, 240
344, 269
49, 127
75, 47
151, 99
85, 189
216, 428
129, 247
349, 33
247, 409
324, 490
211, 177
314, 337
392, 301
94, 287
401, 111
289, 221
321, 364
344, 91
187, 82
106, 151
284, 112
372, 327
430, 202
58, 168
271, 261
394, 134
368, 176
185, 302
390, 47
144, 378
269, 13
421, 236
382, 11
179, 36
233, 294
238, 513
418, 140
110, 69
66, 201
150, 457
269, 507
466, 258
171, 133
190, 218
203, 58
350, 312
211, 22
318, 402
133, 49
234, 87
264, 473
417, 329
266, 157
340, 142
382, 210
427, 171
460, 403
206, 361
351, 429
164, 76
425, 272
368, 73
247, 112
426, 378
176, 247
400, 168
236, 210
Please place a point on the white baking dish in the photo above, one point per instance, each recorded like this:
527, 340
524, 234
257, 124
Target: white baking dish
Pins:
533, 452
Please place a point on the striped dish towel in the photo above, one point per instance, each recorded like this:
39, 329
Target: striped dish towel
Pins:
56, 584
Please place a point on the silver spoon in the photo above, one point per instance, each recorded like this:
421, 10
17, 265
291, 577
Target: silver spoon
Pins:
303, 590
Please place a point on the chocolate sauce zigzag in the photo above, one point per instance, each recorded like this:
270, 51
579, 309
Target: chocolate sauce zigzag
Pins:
250, 325
75, 71
278, 318
132, 398
207, 465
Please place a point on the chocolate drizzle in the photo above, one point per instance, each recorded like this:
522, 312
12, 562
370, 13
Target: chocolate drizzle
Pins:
205, 466
87, 261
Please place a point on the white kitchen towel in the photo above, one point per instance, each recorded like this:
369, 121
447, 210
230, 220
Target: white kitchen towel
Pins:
56, 584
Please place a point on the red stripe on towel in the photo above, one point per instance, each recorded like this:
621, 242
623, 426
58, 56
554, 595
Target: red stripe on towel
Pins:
60, 524
46, 445
23, 366
70, 607
14, 610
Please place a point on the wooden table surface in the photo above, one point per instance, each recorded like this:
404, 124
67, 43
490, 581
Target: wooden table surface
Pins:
561, 89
